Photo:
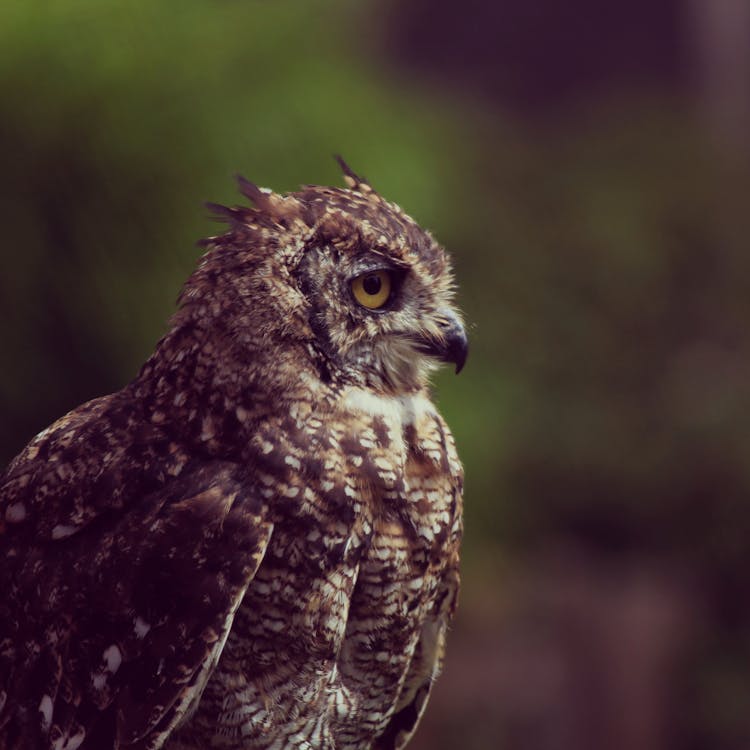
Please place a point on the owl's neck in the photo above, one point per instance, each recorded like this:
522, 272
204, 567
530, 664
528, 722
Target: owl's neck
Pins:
213, 393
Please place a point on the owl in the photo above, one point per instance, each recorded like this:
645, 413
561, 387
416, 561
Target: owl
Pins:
255, 543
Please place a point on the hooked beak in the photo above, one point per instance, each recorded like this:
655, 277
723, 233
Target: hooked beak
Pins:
452, 345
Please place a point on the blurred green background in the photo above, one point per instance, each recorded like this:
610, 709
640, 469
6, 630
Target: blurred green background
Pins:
586, 166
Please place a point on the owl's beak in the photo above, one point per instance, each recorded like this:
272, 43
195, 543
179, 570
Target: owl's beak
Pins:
453, 345
456, 345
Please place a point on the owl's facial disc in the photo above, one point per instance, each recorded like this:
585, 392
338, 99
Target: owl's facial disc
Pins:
378, 294
410, 329
441, 336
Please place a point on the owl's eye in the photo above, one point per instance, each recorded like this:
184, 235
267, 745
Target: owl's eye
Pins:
372, 289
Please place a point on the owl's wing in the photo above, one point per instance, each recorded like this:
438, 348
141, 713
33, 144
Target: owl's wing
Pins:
109, 631
425, 666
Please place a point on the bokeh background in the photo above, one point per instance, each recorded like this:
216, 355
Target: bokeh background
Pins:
587, 165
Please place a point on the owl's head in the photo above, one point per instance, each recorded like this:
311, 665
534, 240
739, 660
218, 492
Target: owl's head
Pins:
341, 274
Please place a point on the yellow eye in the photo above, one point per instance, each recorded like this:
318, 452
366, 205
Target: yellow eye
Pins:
372, 289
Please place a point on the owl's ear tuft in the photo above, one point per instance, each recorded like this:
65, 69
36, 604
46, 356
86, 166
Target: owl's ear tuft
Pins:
351, 178
234, 216
250, 190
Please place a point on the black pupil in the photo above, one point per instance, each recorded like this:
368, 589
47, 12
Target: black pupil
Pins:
371, 284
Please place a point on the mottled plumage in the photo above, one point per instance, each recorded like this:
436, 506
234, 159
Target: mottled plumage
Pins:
255, 543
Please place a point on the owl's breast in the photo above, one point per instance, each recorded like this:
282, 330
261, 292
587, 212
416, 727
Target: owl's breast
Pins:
407, 579
366, 508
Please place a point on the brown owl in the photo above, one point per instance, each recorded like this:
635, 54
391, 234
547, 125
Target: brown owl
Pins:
255, 543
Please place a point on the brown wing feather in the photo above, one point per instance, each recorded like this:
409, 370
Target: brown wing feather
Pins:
425, 666
114, 615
